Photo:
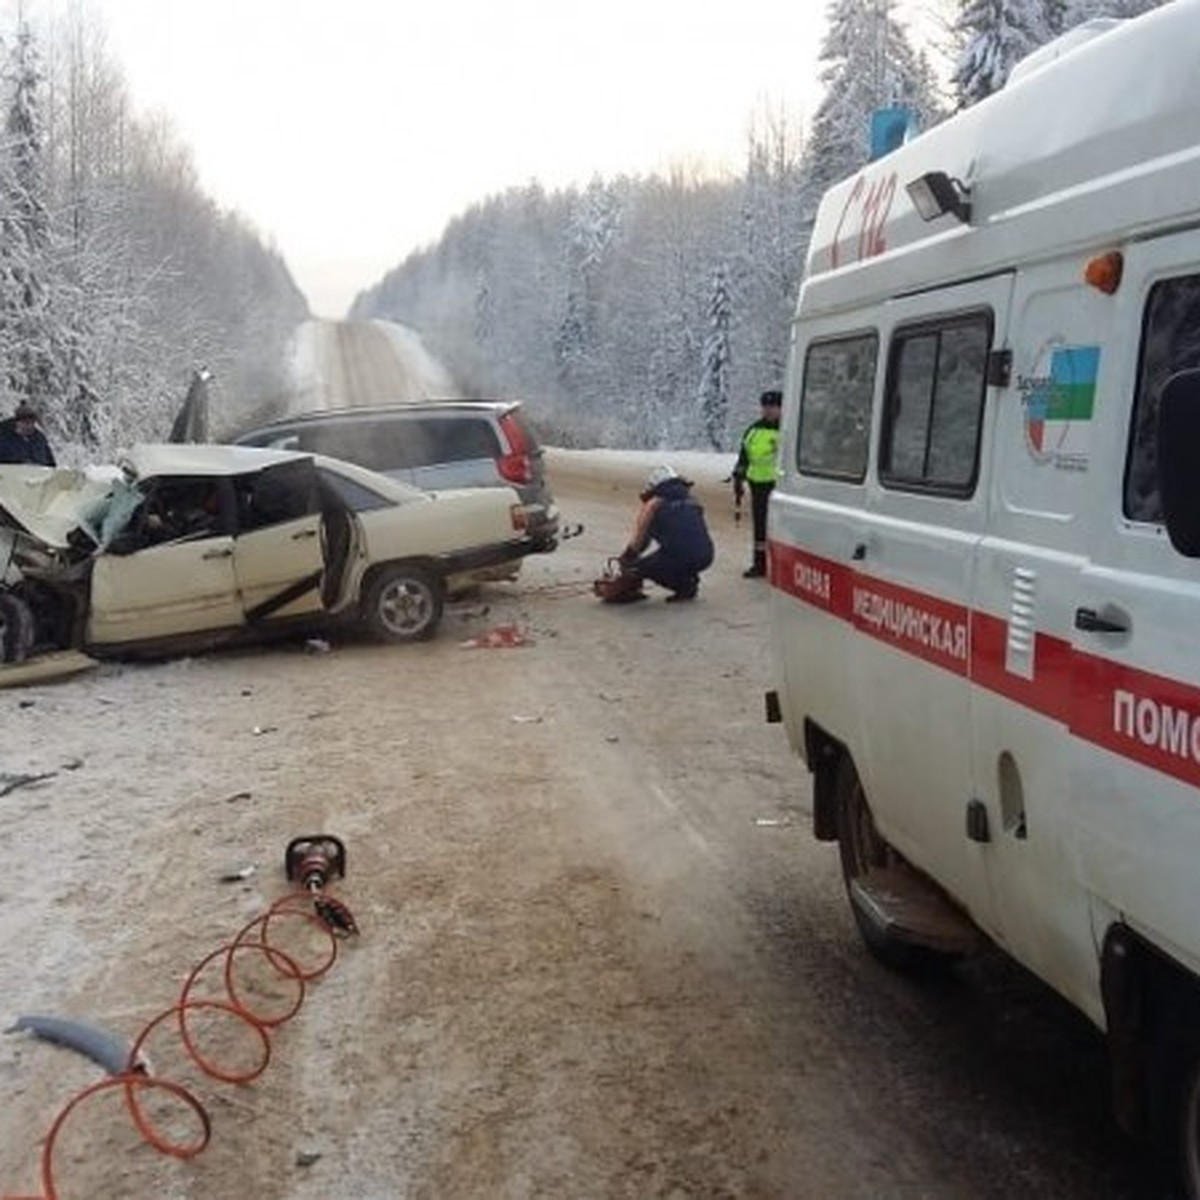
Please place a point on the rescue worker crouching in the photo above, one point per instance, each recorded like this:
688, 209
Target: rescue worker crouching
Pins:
757, 466
674, 522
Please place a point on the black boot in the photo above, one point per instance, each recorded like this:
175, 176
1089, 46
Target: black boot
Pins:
758, 568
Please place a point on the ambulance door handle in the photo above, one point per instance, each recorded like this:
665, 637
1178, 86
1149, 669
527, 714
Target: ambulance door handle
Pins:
1090, 621
860, 552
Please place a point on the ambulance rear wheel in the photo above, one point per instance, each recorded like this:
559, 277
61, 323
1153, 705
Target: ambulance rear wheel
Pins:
865, 853
1189, 1129
1173, 1088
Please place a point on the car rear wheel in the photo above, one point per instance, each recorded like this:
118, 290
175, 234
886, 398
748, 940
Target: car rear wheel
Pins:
403, 604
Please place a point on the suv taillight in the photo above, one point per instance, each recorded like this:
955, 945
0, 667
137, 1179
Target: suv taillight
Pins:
517, 465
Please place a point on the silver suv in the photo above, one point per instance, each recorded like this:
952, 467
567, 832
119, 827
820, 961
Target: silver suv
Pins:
432, 444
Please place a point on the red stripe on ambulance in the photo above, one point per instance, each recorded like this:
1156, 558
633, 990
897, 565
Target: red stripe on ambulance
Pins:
1151, 719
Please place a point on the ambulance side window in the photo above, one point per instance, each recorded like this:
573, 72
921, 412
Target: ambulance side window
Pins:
933, 414
1170, 343
835, 407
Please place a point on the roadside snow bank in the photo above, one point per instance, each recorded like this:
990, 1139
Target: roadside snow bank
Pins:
700, 466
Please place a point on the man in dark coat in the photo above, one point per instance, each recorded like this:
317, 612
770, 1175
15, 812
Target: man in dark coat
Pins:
21, 441
674, 522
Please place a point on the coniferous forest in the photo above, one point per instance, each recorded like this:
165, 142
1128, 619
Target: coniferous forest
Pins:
633, 311
651, 312
119, 277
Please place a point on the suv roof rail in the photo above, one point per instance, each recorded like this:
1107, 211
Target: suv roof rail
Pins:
367, 410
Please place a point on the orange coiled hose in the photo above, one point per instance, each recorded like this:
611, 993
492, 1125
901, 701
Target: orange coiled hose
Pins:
253, 938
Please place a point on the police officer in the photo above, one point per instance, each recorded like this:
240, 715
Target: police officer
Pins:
757, 466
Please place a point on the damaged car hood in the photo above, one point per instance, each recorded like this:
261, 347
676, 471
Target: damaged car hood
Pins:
51, 503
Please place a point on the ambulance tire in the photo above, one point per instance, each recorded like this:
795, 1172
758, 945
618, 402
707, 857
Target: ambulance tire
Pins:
1188, 1114
862, 849
1173, 1091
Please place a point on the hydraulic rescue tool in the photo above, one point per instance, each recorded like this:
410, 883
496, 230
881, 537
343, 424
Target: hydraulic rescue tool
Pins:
312, 861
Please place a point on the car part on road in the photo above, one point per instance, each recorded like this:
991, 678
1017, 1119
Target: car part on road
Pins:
403, 604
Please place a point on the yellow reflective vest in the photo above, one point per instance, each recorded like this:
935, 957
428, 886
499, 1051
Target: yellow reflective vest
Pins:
759, 451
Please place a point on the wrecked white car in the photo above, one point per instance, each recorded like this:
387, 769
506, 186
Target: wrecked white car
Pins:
187, 547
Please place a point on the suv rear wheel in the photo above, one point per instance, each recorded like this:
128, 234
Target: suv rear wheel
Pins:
403, 604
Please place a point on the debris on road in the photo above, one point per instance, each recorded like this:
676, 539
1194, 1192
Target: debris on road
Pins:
501, 637
10, 783
238, 874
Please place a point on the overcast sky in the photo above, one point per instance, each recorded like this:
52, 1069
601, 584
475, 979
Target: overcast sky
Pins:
350, 131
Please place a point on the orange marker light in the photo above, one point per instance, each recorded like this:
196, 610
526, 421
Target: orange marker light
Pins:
1104, 272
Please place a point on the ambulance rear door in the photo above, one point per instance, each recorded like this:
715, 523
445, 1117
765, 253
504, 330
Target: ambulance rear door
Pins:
817, 517
913, 575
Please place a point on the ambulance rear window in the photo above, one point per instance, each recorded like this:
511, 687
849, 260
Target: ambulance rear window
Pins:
835, 407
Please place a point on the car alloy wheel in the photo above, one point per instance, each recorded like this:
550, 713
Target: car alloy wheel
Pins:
403, 604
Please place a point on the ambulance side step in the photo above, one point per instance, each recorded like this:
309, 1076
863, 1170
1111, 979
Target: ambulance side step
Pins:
903, 905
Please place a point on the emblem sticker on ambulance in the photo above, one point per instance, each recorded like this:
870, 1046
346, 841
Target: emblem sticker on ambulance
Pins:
1058, 399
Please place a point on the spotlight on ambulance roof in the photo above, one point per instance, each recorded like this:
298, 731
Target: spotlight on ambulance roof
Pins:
935, 193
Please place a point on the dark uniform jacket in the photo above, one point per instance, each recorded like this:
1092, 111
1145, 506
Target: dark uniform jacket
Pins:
21, 448
670, 517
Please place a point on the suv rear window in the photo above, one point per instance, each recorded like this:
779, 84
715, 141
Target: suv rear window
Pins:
392, 444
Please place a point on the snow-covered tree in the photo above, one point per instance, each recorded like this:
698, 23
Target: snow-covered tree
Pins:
1085, 10
714, 377
868, 63
24, 234
995, 35
775, 223
595, 222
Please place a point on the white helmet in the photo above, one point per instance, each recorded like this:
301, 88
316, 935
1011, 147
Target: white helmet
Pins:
659, 475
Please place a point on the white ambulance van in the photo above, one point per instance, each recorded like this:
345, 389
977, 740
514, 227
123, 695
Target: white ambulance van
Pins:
985, 543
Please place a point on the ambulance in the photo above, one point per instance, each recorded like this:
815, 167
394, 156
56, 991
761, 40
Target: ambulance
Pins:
984, 545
